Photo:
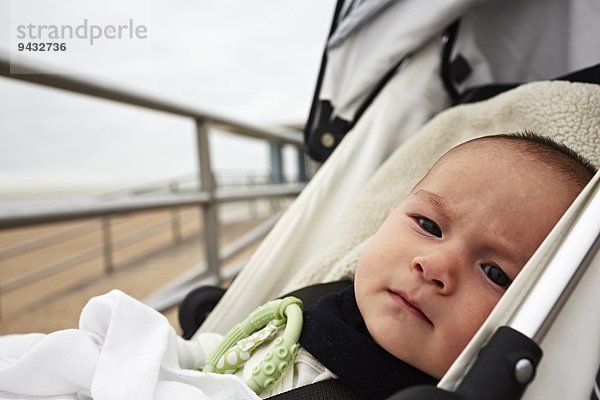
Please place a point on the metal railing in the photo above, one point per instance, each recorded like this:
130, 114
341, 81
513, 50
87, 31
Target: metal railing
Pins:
208, 197
107, 246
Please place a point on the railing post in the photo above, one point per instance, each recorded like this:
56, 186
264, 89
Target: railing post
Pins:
276, 162
107, 245
210, 209
276, 168
302, 172
175, 220
252, 204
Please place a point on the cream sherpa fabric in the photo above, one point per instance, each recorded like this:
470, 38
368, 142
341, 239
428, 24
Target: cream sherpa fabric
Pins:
567, 112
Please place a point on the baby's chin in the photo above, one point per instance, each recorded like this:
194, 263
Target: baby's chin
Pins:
417, 358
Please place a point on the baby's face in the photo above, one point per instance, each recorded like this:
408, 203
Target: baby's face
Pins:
445, 255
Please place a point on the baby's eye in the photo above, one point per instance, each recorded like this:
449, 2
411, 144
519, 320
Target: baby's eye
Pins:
429, 226
496, 275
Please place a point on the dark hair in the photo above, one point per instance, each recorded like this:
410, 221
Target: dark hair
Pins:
556, 155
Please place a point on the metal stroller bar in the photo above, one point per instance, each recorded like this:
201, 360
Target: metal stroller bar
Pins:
570, 260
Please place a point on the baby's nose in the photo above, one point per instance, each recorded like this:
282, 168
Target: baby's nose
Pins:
427, 274
439, 268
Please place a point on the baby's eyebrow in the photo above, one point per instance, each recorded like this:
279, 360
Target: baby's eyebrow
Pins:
435, 201
505, 250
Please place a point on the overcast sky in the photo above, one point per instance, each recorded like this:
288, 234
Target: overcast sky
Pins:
256, 61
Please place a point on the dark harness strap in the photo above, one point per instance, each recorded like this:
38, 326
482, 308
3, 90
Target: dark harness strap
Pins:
310, 294
331, 389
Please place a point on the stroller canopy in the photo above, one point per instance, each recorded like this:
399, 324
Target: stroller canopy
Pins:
485, 42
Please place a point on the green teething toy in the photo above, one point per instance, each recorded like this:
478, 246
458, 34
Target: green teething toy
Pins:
261, 326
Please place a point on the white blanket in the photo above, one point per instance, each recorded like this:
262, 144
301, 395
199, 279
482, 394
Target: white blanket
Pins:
122, 350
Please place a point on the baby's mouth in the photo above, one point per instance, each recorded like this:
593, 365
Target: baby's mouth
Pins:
412, 306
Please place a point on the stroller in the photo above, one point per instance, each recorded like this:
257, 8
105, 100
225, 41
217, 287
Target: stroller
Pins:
550, 302
548, 309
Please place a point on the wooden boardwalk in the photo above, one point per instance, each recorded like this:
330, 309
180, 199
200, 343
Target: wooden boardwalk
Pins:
139, 269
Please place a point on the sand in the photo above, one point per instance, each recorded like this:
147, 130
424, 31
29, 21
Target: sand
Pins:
138, 269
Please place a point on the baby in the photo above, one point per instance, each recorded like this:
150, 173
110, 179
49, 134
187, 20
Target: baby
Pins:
434, 270
445, 255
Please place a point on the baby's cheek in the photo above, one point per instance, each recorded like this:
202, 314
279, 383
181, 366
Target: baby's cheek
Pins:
473, 318
366, 276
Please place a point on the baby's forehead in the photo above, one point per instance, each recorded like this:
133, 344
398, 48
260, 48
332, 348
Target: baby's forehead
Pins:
499, 177
491, 155
500, 159
479, 170
485, 146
